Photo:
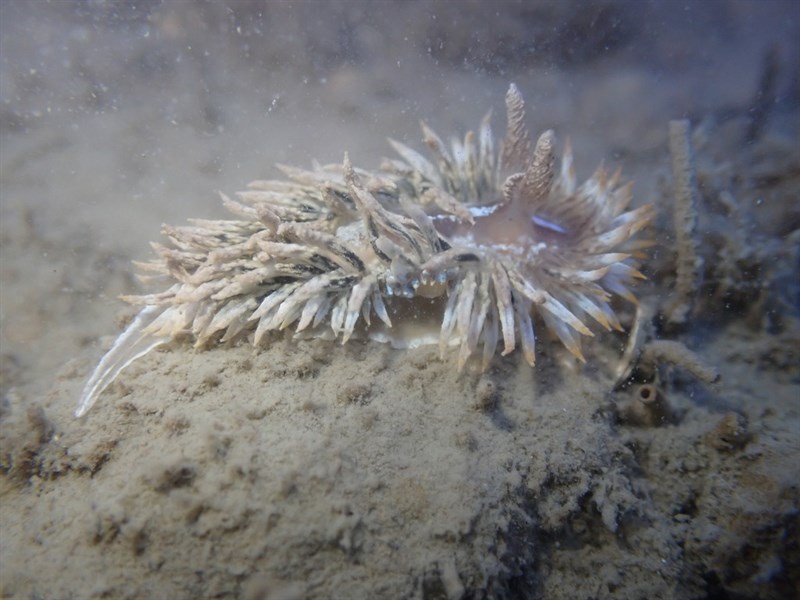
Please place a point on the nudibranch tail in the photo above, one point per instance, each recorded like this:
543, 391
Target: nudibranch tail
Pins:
133, 343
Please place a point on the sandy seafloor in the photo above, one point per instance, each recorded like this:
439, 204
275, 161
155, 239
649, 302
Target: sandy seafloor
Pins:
307, 469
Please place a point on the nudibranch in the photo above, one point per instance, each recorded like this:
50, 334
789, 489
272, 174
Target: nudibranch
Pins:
477, 241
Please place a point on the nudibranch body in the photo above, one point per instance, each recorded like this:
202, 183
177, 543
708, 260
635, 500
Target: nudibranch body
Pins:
483, 241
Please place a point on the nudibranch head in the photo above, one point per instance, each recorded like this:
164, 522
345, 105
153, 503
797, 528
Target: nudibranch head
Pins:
521, 237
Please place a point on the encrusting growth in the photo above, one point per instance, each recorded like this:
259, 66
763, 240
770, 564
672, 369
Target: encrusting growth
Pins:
674, 353
485, 241
685, 219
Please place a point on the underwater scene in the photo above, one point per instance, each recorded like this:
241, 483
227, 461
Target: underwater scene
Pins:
418, 299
